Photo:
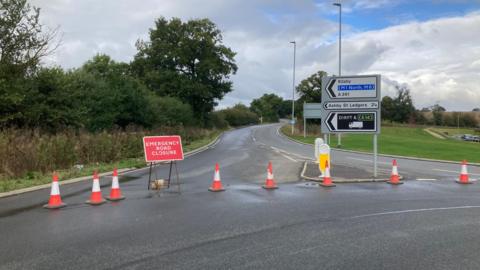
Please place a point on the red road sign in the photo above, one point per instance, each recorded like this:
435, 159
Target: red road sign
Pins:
162, 148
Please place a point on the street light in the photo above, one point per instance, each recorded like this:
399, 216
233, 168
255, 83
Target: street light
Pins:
339, 5
293, 84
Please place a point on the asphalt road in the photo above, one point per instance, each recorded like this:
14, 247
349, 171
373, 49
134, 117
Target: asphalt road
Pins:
423, 224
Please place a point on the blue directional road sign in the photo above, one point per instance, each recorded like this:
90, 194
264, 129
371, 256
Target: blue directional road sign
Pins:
354, 87
351, 104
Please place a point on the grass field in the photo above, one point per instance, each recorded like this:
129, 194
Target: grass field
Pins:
454, 131
404, 141
35, 178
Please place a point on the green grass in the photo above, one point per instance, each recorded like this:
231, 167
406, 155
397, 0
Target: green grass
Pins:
404, 141
35, 178
453, 131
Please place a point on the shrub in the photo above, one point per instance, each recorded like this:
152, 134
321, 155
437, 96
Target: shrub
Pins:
25, 152
239, 115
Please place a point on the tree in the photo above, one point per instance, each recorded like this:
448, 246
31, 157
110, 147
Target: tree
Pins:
476, 110
437, 112
310, 89
437, 108
403, 105
110, 97
49, 104
267, 107
388, 108
22, 45
285, 108
22, 39
239, 115
186, 60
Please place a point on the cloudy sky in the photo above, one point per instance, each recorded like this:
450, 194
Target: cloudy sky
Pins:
430, 46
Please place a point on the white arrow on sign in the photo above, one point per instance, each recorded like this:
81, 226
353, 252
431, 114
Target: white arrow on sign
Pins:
352, 87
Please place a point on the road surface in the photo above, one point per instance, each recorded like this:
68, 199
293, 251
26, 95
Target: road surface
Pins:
423, 224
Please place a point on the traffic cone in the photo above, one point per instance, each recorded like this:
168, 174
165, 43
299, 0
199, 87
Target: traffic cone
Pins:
394, 178
55, 200
463, 179
115, 192
96, 196
217, 184
270, 183
327, 181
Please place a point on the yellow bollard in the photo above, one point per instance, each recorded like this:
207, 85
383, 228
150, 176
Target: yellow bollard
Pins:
322, 158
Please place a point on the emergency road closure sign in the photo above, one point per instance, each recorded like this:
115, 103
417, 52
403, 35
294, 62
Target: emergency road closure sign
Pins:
162, 148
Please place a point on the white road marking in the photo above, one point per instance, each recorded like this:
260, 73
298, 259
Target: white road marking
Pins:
426, 179
282, 154
294, 160
417, 210
368, 160
456, 172
288, 153
274, 148
253, 138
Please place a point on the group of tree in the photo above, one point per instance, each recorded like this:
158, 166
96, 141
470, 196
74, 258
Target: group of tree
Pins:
176, 78
271, 107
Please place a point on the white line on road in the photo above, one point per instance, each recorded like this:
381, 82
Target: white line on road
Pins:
456, 172
426, 179
417, 210
288, 153
368, 160
283, 154
294, 160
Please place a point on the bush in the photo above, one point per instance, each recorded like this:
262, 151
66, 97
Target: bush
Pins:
239, 115
170, 111
217, 120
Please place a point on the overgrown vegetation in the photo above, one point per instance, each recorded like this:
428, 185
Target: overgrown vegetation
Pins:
24, 152
28, 158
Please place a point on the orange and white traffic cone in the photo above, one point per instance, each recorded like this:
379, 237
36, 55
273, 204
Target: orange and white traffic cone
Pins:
115, 192
270, 183
55, 200
217, 184
394, 178
327, 181
96, 196
464, 179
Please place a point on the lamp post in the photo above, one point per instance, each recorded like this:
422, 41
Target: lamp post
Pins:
339, 5
293, 84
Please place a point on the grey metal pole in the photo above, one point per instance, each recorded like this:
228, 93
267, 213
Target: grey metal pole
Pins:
339, 136
293, 84
304, 127
375, 155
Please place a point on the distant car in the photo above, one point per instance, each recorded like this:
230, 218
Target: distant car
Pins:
470, 138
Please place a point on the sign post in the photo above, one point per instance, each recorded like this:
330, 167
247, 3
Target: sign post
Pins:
351, 104
163, 149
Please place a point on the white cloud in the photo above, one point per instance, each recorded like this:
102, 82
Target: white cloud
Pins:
437, 60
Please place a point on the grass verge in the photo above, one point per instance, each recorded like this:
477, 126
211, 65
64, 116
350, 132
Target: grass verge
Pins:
36, 178
403, 141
